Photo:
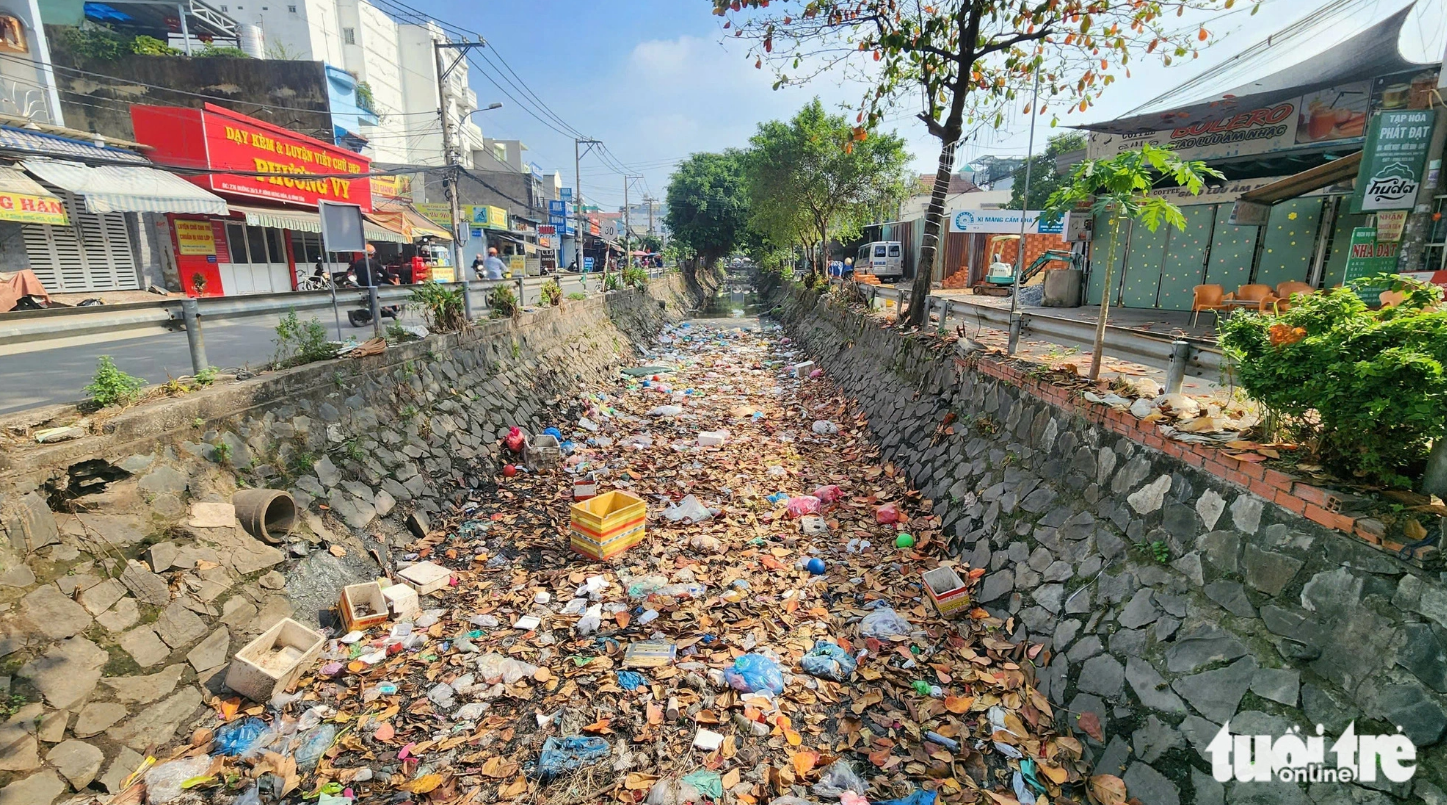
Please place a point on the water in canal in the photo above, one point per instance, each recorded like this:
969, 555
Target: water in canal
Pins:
735, 299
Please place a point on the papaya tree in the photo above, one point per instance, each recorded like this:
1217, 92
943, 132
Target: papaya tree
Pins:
961, 64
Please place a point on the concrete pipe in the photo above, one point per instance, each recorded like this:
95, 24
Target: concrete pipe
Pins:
267, 514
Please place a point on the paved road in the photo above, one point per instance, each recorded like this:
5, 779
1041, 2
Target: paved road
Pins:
60, 375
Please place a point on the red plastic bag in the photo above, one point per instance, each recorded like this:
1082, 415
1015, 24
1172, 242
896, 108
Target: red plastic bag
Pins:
829, 494
886, 514
514, 439
802, 505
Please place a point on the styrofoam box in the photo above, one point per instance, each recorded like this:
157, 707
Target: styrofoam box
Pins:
403, 601
426, 577
712, 438
273, 661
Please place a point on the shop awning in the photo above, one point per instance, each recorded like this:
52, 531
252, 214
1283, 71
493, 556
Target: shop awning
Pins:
23, 199
1331, 173
115, 188
424, 227
306, 221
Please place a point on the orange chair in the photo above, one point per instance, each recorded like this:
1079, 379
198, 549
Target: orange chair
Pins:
1286, 290
1260, 295
1209, 297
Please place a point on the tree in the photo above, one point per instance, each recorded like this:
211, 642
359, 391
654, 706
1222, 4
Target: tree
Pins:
808, 180
708, 207
1119, 188
963, 61
1044, 178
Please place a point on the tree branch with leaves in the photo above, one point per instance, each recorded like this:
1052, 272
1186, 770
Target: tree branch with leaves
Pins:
961, 63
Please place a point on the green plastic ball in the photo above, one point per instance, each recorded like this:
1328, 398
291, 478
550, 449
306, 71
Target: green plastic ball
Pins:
904, 541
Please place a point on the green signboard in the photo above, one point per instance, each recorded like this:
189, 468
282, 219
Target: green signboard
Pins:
1367, 258
1392, 160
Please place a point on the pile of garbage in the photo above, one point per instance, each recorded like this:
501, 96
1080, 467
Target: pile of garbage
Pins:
768, 639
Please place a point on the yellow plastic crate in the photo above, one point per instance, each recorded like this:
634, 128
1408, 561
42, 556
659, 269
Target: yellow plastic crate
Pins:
607, 525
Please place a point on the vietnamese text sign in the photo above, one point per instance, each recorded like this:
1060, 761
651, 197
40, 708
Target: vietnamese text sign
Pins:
29, 209
1396, 151
1369, 257
1001, 222
436, 213
194, 237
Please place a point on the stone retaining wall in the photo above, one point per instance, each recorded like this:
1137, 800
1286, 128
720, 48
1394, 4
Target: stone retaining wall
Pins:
1169, 599
118, 616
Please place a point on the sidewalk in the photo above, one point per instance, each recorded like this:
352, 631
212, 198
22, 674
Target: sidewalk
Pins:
1160, 322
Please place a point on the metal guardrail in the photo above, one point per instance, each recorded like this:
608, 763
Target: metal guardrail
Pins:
1177, 356
35, 330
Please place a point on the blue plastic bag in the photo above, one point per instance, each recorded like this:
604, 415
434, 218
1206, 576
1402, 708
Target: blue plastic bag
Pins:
238, 736
630, 680
755, 673
828, 661
917, 798
562, 755
554, 432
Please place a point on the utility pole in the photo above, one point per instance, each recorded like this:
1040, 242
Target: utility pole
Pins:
450, 156
649, 201
578, 197
628, 221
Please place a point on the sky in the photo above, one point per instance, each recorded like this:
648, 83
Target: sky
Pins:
657, 80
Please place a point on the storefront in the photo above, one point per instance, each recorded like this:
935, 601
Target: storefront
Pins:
82, 211
1289, 144
271, 238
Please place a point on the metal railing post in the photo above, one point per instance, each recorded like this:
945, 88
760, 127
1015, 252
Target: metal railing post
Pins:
376, 307
1176, 371
191, 312
467, 299
1017, 323
522, 294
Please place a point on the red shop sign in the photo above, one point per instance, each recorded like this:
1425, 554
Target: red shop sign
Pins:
298, 169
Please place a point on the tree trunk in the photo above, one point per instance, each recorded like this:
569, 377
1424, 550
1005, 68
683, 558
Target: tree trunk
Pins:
1098, 350
933, 219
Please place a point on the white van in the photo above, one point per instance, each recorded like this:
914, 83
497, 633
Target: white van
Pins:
882, 258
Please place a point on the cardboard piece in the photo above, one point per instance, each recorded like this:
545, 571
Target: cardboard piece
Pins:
946, 590
362, 606
607, 525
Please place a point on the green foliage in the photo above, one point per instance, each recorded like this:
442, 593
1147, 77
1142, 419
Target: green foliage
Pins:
397, 335
365, 98
577, 297
707, 206
1044, 178
298, 342
206, 376
94, 42
303, 462
1119, 188
551, 292
223, 452
1157, 551
612, 282
441, 306
502, 301
812, 179
212, 51
1368, 386
110, 386
151, 46
635, 277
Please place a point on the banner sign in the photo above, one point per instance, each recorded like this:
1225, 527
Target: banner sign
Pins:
295, 168
30, 209
1369, 257
440, 214
485, 215
1002, 222
194, 237
1390, 224
1392, 161
1334, 114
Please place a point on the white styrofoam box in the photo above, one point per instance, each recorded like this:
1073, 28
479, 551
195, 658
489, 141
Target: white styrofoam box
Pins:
426, 577
403, 601
803, 369
273, 661
712, 438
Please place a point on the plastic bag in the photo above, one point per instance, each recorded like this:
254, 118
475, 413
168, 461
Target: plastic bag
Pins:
314, 744
755, 673
917, 798
493, 666
669, 791
515, 439
562, 755
791, 801
703, 543
163, 782
837, 779
591, 621
883, 623
886, 514
689, 509
666, 410
829, 494
824, 427
828, 661
239, 736
802, 505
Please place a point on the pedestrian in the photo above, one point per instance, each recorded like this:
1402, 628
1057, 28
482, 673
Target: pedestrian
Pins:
477, 267
494, 264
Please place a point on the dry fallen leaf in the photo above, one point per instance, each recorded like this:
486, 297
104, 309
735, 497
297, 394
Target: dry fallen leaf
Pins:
1108, 789
340, 552
1089, 723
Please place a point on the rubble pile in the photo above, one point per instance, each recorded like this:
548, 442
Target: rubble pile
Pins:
768, 637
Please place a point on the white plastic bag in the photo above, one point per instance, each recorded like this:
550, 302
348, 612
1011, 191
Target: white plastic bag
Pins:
493, 666
592, 619
824, 427
666, 410
689, 509
883, 623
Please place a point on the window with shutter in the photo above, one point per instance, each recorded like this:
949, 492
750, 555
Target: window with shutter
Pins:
93, 254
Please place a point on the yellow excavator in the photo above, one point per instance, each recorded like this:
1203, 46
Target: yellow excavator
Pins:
1000, 276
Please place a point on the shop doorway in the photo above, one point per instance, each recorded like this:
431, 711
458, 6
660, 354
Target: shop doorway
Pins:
258, 260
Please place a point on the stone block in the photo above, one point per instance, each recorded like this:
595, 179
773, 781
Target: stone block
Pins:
1268, 571
1216, 694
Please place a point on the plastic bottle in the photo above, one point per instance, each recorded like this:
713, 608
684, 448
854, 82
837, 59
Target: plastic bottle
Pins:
314, 744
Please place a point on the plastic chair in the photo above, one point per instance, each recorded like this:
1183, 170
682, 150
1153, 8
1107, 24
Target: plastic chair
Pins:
1208, 297
1286, 290
1261, 295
